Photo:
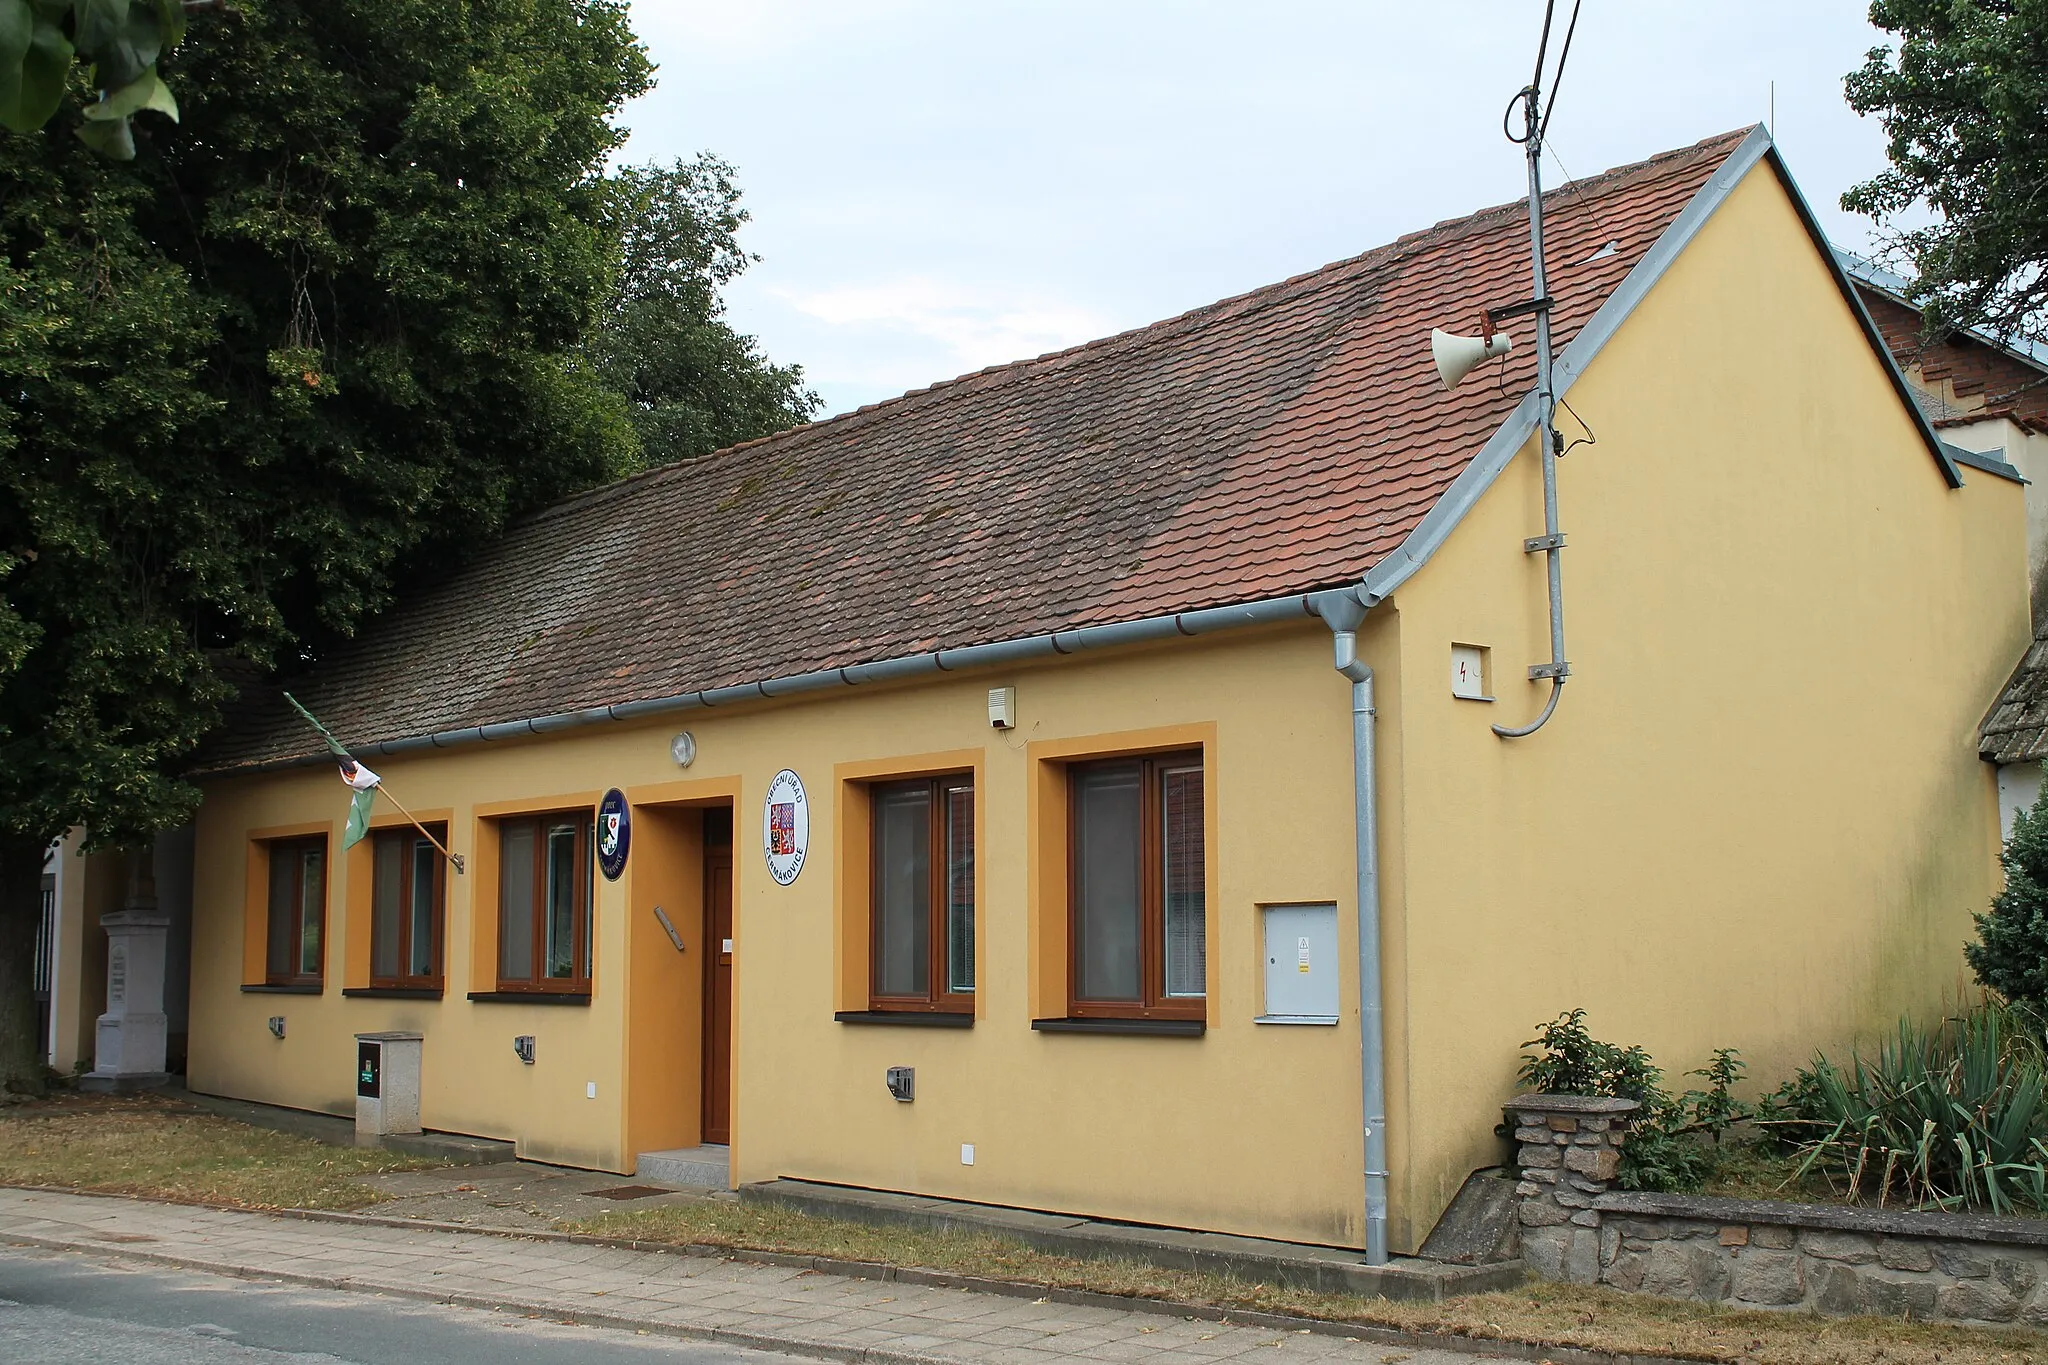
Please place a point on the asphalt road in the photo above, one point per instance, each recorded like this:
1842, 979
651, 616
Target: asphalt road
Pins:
70, 1310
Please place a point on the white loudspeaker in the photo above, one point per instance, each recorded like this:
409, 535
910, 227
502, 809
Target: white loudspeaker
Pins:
1458, 356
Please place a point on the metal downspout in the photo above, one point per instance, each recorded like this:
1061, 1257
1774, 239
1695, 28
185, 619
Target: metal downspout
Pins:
1343, 612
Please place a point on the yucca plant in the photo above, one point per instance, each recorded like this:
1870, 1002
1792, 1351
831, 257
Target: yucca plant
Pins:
1947, 1116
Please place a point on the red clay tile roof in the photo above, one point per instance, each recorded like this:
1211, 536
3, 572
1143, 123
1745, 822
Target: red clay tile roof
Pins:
2011, 387
1276, 442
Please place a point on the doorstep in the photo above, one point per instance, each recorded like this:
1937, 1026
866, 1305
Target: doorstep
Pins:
454, 1148
694, 1168
1330, 1270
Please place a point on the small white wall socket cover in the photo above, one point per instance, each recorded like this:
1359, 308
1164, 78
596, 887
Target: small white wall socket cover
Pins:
590, 1090
1468, 672
1002, 707
966, 1154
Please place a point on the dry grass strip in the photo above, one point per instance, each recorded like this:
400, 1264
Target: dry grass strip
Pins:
164, 1150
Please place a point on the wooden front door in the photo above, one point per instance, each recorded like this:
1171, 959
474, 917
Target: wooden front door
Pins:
718, 995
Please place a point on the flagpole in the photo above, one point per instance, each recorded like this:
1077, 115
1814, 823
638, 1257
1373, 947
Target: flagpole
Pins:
455, 858
341, 752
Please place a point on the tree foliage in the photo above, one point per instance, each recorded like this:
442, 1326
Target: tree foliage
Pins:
359, 308
118, 41
2011, 952
1963, 98
695, 385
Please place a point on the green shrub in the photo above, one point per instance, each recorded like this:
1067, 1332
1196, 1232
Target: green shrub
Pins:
1674, 1142
1951, 1116
2011, 956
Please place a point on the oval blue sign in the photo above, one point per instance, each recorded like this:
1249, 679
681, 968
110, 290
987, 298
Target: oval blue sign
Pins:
614, 834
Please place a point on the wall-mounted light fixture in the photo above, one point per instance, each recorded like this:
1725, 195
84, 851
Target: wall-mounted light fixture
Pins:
902, 1082
277, 1026
523, 1046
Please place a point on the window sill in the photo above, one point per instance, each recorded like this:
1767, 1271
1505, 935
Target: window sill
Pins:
1163, 1028
530, 997
1313, 1020
393, 992
910, 1018
303, 988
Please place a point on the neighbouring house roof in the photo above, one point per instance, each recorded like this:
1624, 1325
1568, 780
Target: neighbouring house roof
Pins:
2011, 376
2016, 730
1283, 441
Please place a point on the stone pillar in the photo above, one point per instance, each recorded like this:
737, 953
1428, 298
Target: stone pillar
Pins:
128, 1041
1569, 1148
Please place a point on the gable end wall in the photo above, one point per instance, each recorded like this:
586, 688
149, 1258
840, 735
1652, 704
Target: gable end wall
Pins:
1757, 819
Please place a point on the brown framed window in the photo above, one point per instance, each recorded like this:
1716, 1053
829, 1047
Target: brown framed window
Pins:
921, 894
544, 902
407, 896
1137, 891
298, 912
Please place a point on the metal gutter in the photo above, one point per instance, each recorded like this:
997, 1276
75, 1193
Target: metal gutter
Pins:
1990, 461
1293, 607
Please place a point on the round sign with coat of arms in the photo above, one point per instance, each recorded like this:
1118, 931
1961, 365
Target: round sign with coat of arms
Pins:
614, 834
785, 827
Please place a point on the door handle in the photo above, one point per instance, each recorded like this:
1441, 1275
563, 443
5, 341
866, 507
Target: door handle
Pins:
669, 928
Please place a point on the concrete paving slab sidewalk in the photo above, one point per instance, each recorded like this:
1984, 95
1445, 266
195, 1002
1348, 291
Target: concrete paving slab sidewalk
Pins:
516, 1196
777, 1307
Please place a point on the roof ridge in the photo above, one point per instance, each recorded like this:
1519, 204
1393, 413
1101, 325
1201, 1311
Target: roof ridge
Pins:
1599, 182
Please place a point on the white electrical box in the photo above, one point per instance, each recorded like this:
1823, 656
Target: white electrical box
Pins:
1301, 964
1002, 707
1468, 673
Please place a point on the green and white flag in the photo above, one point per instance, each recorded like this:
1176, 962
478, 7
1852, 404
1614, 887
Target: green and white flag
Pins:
360, 779
365, 784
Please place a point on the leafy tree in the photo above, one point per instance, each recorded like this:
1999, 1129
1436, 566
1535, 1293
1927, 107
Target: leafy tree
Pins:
2011, 954
301, 351
118, 41
1964, 103
695, 385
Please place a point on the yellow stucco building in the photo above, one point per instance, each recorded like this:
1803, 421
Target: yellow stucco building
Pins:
1016, 757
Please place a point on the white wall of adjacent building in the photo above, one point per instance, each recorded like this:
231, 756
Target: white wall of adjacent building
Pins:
2019, 787
2028, 453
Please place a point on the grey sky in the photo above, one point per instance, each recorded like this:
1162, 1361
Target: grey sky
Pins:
938, 185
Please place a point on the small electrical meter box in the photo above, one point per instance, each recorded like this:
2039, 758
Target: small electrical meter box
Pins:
1301, 964
387, 1083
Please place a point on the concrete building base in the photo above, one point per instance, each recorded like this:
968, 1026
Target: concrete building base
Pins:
123, 1083
1325, 1269
455, 1148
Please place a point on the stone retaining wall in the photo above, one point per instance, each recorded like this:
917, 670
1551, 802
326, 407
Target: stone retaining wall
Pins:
1758, 1254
